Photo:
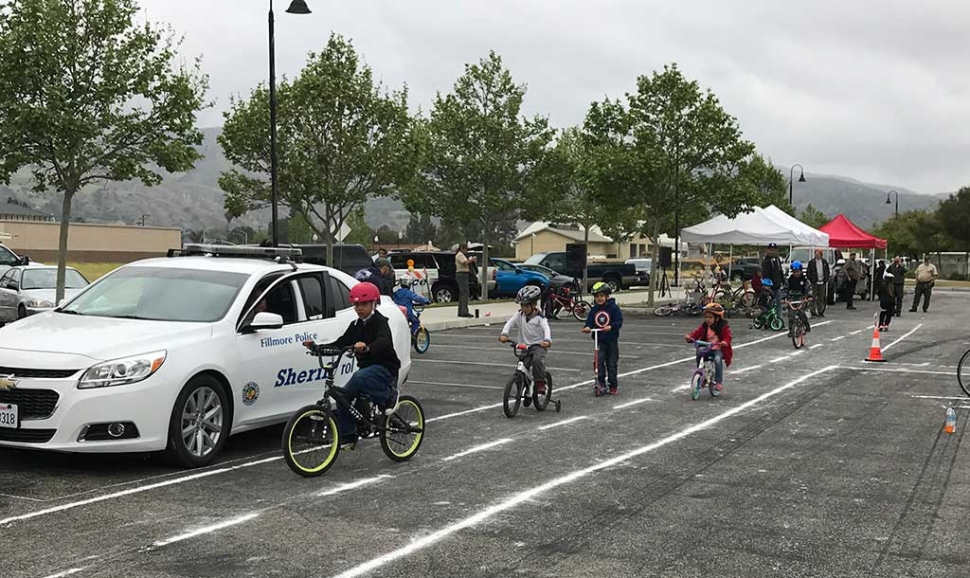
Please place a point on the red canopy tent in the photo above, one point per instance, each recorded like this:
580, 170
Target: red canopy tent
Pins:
844, 233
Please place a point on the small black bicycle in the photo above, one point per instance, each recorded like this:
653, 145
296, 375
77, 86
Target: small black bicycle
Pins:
311, 438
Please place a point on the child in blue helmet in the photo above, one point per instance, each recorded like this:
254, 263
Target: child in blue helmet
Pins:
799, 287
765, 298
406, 298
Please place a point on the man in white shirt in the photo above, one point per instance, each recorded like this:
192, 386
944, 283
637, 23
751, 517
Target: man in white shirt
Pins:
926, 275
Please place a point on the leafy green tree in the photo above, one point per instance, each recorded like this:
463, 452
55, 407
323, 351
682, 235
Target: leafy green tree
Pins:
571, 194
671, 151
341, 141
954, 218
89, 95
915, 233
360, 232
420, 229
481, 155
813, 217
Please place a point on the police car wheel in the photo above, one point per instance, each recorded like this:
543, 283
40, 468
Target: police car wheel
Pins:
200, 422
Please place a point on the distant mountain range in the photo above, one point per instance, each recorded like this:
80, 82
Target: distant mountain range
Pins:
193, 200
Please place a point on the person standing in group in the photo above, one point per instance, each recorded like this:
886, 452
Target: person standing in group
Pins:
771, 269
819, 274
926, 275
853, 272
463, 265
898, 271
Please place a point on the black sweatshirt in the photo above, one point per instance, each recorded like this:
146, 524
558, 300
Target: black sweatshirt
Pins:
376, 333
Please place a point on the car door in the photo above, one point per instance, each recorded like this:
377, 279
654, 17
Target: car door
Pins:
8, 298
276, 375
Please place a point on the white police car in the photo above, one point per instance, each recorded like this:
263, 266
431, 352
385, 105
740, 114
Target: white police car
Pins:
177, 353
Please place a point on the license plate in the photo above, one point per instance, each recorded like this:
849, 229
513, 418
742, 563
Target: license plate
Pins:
8, 416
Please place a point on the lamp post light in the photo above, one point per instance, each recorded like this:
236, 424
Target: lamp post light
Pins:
296, 7
888, 202
791, 175
143, 217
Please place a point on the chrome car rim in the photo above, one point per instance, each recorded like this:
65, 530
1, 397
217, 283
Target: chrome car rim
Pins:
202, 422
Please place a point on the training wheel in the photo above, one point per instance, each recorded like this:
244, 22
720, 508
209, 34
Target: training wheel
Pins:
558, 406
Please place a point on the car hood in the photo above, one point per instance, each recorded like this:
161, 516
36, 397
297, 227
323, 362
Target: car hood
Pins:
48, 335
47, 294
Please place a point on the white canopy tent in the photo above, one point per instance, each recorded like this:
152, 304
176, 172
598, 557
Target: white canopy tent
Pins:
761, 226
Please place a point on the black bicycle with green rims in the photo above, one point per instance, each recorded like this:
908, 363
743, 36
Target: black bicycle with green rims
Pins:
311, 438
963, 373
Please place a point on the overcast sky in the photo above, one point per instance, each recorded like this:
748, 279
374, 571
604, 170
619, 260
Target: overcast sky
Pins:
878, 90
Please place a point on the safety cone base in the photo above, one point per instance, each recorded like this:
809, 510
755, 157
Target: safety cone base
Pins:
875, 352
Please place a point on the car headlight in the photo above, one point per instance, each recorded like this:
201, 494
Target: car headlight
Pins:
122, 371
39, 303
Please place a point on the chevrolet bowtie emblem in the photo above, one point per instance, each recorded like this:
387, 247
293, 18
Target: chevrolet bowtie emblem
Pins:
7, 382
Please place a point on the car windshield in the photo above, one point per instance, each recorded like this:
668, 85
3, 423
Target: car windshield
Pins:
161, 294
47, 279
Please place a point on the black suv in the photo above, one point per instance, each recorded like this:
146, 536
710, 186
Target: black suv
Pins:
347, 257
440, 266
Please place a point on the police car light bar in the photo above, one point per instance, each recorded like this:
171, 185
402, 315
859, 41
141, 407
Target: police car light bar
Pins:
286, 253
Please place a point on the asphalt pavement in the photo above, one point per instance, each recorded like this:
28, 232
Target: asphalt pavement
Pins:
812, 463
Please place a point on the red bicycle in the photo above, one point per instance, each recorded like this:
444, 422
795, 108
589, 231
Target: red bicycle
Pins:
567, 298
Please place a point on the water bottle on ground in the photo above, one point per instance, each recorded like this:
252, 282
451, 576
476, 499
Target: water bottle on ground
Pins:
951, 420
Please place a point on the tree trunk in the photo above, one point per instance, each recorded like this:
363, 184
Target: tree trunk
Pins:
328, 226
654, 262
62, 245
483, 273
586, 261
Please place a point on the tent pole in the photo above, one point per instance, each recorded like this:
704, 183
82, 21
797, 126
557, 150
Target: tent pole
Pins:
730, 261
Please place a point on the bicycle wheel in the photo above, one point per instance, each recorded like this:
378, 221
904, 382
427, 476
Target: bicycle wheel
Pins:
747, 299
963, 373
403, 430
696, 384
776, 324
581, 310
422, 340
663, 311
709, 370
541, 401
311, 441
513, 396
798, 335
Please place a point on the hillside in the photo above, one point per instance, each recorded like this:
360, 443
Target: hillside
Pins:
193, 200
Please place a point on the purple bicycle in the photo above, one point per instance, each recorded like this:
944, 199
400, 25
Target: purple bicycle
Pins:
704, 374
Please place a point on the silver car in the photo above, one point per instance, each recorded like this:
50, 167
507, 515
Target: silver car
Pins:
29, 289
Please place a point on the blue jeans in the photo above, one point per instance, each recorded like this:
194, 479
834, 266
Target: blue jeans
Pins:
375, 382
609, 357
718, 357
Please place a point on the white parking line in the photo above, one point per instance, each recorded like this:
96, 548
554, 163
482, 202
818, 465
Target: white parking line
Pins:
634, 402
904, 336
485, 363
131, 491
778, 359
480, 448
65, 573
552, 349
353, 485
939, 397
205, 530
564, 422
747, 369
839, 338
471, 385
899, 370
816, 346
856, 332
527, 495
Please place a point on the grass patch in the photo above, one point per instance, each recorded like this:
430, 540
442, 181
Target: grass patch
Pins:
94, 271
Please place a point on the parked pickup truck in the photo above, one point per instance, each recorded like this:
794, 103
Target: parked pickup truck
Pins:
618, 275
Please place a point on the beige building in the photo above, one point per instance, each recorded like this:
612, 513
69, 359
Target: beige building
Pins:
541, 236
88, 243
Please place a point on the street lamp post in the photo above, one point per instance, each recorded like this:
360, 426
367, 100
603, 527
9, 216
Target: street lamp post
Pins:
888, 202
791, 175
296, 7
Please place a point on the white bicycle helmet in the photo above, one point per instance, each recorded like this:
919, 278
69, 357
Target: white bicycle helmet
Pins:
528, 294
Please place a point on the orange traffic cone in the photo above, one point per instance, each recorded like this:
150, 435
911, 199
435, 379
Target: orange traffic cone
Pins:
875, 352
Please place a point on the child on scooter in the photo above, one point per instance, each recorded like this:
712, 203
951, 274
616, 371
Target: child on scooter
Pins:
531, 329
715, 331
608, 318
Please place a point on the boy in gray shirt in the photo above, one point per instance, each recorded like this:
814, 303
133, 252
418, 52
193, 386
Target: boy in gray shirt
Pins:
531, 329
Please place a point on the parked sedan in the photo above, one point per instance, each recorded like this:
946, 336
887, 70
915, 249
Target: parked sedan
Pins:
510, 278
29, 289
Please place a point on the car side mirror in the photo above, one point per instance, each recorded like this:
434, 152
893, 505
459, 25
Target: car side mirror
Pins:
518, 271
13, 286
265, 320
25, 260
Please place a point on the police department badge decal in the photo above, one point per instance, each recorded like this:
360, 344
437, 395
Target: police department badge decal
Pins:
250, 393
